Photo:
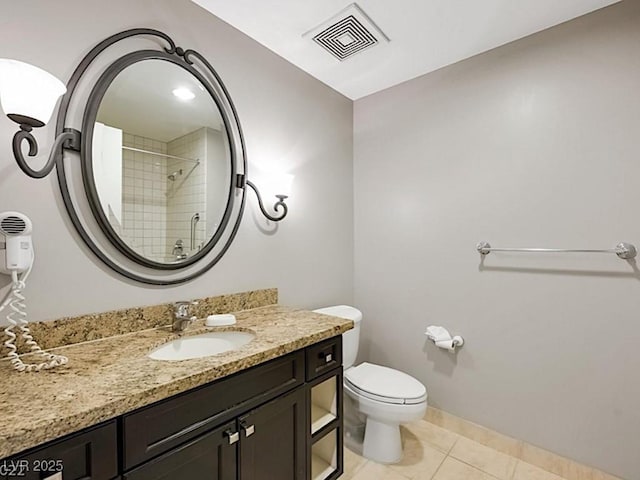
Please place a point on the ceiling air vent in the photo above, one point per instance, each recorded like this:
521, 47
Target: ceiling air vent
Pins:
347, 33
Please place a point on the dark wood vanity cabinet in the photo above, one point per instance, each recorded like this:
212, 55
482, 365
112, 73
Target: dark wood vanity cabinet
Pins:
275, 421
88, 455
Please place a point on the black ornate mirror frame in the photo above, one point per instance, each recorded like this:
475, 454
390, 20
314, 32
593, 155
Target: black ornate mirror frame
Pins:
199, 67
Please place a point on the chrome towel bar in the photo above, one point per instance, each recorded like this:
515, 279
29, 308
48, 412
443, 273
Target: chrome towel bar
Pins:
625, 251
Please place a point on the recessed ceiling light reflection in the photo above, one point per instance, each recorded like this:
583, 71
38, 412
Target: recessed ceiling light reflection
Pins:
184, 94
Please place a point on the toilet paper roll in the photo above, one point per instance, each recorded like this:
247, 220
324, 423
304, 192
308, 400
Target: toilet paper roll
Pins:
441, 338
437, 333
446, 344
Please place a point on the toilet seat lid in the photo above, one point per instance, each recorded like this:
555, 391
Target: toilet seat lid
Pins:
385, 384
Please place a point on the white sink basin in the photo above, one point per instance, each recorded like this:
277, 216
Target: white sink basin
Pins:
200, 346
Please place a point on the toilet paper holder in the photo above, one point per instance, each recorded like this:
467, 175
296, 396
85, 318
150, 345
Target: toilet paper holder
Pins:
443, 339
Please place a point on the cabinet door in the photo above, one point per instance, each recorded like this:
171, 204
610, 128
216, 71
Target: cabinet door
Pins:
273, 440
89, 455
211, 456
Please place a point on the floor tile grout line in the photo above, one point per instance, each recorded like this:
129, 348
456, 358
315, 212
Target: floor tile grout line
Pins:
513, 474
477, 468
438, 469
516, 459
455, 442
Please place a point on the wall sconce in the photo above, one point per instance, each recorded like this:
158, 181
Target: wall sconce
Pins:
279, 186
28, 96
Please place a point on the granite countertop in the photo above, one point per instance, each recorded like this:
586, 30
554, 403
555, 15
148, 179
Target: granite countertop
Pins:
112, 376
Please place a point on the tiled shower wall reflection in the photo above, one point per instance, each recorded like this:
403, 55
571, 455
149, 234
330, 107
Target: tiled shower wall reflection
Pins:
186, 194
144, 200
161, 195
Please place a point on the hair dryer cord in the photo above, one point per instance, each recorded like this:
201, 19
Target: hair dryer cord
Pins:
17, 318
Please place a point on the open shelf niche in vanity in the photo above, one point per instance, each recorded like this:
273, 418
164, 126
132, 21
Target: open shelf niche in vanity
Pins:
324, 372
324, 404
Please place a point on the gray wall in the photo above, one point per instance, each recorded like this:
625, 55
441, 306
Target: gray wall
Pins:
533, 144
289, 119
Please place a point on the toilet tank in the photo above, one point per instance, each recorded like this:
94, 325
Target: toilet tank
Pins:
351, 338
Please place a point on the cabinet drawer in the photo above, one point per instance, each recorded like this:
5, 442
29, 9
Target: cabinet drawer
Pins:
90, 455
211, 456
158, 428
323, 356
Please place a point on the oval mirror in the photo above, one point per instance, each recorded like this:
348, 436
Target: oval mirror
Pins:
162, 183
160, 173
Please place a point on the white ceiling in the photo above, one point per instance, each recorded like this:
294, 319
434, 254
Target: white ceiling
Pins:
149, 109
425, 35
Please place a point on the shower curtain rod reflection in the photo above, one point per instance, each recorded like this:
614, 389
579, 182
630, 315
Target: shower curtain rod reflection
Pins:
159, 154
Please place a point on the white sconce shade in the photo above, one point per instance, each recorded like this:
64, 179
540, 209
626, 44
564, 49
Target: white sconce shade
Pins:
284, 182
277, 184
28, 91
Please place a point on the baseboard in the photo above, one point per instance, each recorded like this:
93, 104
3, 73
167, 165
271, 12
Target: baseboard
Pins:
549, 461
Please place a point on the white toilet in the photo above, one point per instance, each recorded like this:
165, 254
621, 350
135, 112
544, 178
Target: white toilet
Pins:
387, 397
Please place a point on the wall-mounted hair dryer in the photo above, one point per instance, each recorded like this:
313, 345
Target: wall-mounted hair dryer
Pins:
16, 252
16, 259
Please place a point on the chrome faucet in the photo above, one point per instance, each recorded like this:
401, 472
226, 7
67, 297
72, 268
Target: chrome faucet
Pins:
178, 250
181, 317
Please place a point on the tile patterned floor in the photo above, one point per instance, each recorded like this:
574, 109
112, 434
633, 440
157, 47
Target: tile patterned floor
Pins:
433, 453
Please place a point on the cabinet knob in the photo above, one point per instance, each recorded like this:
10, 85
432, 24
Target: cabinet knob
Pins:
327, 357
249, 430
232, 436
